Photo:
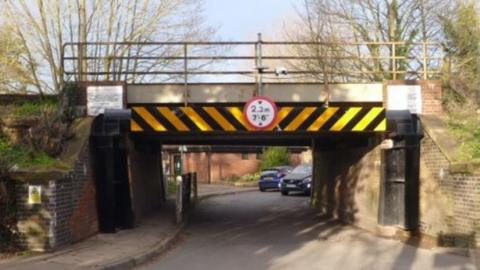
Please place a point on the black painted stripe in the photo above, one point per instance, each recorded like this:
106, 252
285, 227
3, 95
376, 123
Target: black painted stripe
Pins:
338, 114
207, 118
290, 117
357, 118
161, 119
184, 118
380, 117
309, 121
230, 118
141, 122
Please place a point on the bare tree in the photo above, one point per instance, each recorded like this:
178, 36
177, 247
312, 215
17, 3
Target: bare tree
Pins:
363, 30
43, 26
14, 70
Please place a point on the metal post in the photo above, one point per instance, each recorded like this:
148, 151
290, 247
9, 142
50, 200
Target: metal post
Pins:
185, 75
209, 161
258, 65
425, 67
81, 71
179, 200
394, 61
195, 187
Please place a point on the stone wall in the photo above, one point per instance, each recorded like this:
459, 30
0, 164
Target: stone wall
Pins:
449, 197
145, 176
67, 213
350, 180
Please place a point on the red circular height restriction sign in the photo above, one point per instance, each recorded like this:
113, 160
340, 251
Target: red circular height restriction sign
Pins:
260, 112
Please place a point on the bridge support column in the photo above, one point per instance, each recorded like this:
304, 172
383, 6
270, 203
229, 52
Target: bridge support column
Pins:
146, 177
321, 163
399, 194
111, 175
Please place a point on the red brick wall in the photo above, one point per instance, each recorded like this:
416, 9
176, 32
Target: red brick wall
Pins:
84, 220
431, 97
225, 165
197, 162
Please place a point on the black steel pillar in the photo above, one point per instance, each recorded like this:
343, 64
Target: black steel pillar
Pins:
399, 194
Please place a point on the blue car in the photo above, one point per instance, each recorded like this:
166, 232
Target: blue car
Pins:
270, 178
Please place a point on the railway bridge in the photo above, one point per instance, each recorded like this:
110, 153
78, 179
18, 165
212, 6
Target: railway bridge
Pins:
359, 114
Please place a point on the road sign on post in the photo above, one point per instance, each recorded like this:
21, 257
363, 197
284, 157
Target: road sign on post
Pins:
260, 112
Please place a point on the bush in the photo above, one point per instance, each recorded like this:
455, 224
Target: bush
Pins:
29, 109
275, 156
464, 123
21, 156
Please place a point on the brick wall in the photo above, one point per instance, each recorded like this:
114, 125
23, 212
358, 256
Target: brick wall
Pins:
450, 201
431, 94
225, 165
431, 97
84, 220
68, 211
36, 223
197, 162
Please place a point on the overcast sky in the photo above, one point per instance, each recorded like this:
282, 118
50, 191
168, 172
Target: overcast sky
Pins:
243, 19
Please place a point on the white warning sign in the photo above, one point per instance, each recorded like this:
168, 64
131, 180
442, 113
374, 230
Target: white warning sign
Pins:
100, 98
404, 97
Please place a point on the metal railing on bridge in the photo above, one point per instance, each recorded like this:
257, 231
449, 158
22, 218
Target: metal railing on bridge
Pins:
284, 61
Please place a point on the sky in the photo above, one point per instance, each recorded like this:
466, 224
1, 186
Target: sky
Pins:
243, 19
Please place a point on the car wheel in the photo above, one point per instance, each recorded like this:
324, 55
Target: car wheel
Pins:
284, 192
262, 189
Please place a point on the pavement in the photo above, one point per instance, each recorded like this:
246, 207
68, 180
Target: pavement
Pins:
122, 250
268, 231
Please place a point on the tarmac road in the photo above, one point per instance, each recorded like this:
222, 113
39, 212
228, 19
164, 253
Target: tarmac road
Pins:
268, 231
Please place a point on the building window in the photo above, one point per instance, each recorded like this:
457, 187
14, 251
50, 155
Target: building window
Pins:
244, 156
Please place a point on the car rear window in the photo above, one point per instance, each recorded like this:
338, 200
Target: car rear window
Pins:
265, 172
302, 169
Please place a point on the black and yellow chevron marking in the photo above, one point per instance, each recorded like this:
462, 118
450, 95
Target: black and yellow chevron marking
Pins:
230, 119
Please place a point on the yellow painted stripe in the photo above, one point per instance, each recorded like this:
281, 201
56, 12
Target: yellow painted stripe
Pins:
134, 126
343, 121
284, 112
301, 117
172, 118
219, 119
199, 122
238, 114
322, 119
149, 118
367, 119
382, 126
